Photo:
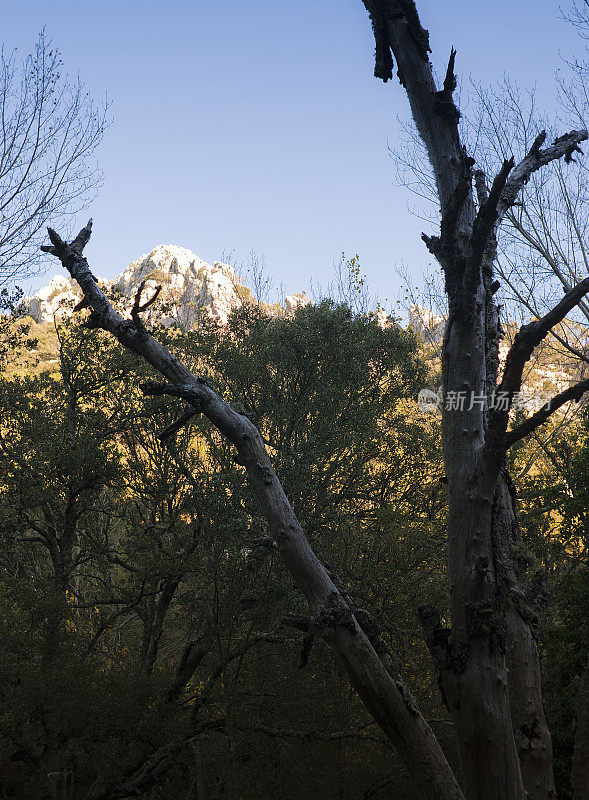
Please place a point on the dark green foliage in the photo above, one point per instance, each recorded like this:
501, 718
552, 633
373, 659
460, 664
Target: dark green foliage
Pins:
119, 550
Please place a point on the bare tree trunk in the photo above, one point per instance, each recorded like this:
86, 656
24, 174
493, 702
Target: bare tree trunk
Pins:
533, 740
471, 658
476, 678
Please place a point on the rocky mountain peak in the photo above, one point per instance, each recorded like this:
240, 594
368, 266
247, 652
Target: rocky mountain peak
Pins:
188, 283
189, 287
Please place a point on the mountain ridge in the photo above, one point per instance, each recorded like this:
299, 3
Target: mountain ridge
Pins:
190, 287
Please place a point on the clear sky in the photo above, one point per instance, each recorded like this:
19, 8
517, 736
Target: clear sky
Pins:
258, 125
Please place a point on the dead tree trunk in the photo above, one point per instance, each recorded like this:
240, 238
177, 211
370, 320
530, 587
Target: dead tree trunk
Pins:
472, 659
532, 737
370, 666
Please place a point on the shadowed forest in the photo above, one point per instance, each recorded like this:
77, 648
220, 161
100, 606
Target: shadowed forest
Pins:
147, 622
238, 559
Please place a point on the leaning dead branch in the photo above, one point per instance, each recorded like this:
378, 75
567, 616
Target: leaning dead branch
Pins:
535, 159
385, 696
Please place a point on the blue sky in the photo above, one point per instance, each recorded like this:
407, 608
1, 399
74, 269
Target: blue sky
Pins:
257, 125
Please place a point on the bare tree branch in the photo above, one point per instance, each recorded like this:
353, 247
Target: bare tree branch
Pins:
49, 131
530, 336
540, 417
535, 159
188, 413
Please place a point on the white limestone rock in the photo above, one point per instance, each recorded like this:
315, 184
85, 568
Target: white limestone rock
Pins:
429, 326
383, 319
55, 299
294, 301
190, 286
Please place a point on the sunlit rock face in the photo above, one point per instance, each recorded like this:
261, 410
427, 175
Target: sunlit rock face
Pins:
190, 287
426, 324
294, 301
57, 298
